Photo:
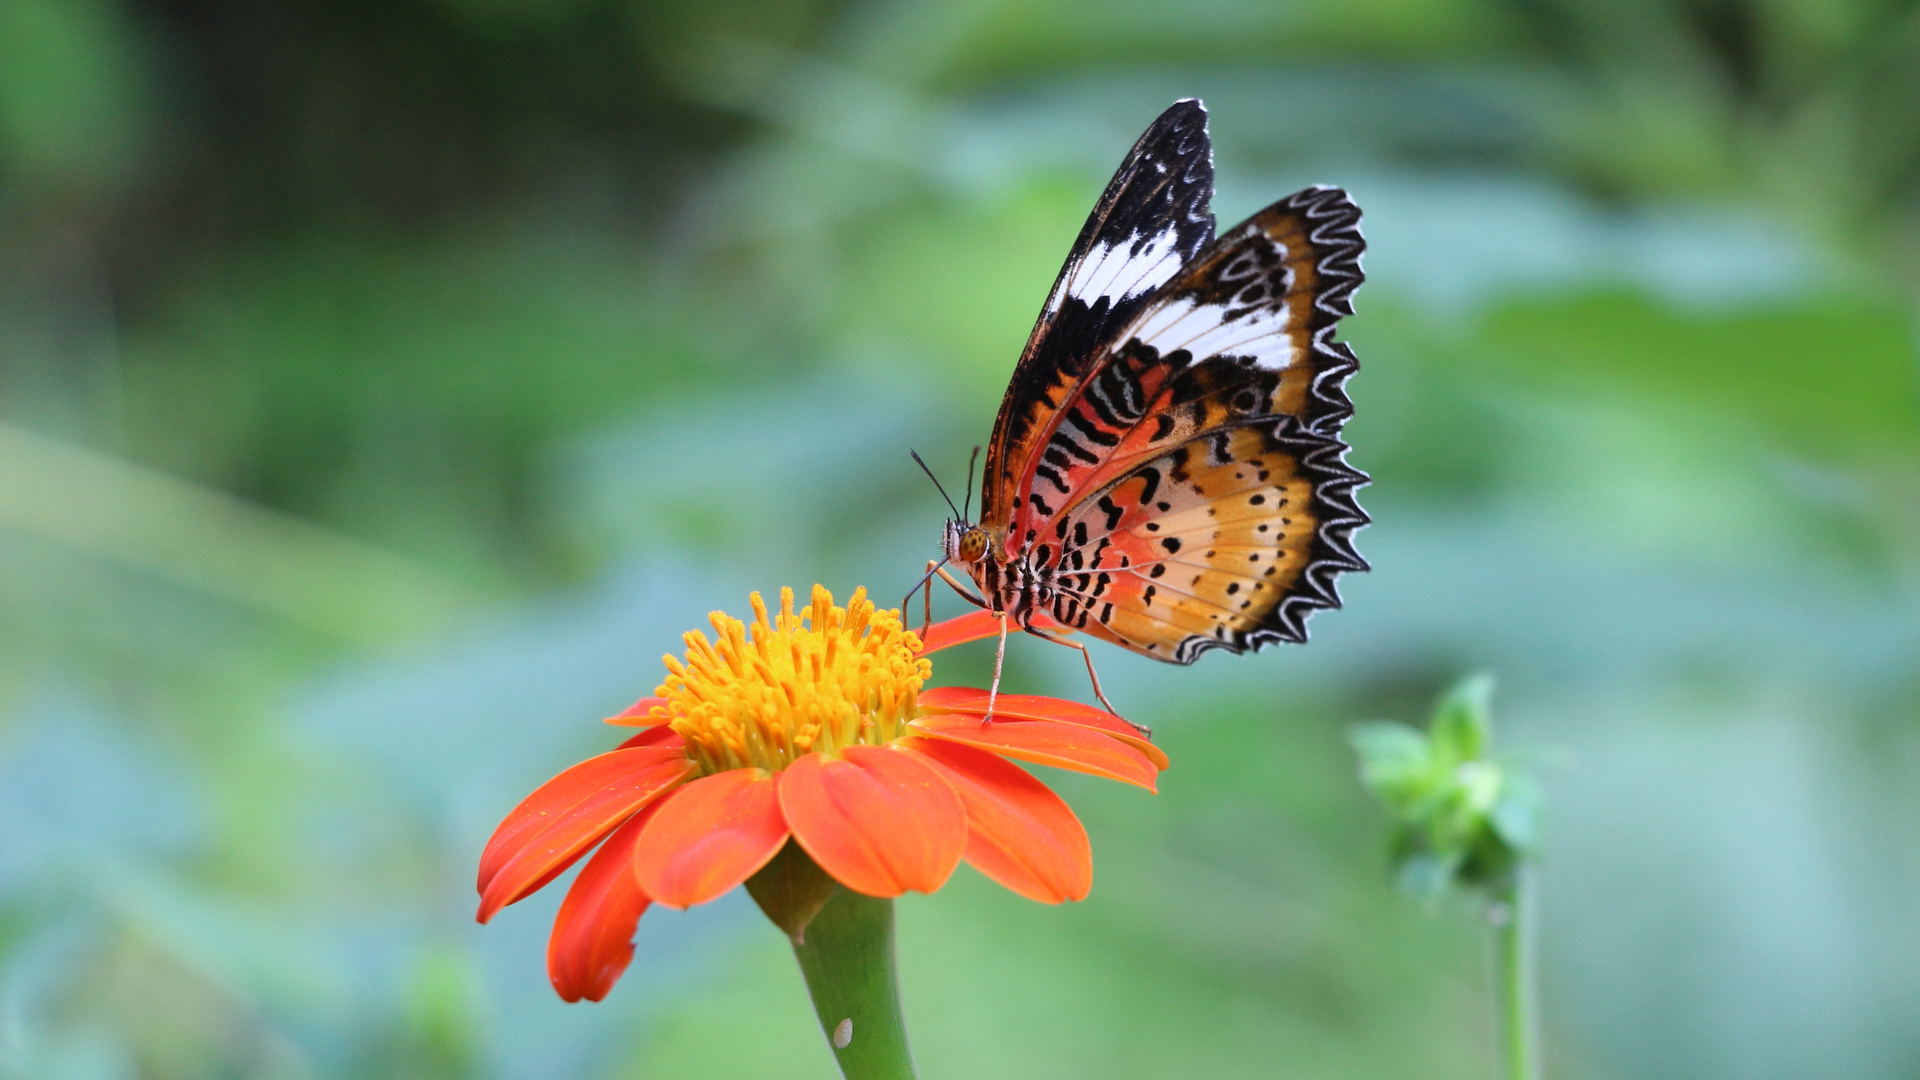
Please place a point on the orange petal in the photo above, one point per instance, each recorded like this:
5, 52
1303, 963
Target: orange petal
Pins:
880, 821
709, 836
972, 626
1019, 833
635, 715
970, 699
592, 941
659, 735
569, 814
975, 625
1045, 742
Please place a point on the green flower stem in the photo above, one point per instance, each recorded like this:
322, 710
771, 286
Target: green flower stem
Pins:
1513, 912
847, 959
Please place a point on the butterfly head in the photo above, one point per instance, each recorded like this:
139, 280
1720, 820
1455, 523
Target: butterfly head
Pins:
966, 543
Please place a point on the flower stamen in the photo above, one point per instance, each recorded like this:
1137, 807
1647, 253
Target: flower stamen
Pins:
821, 680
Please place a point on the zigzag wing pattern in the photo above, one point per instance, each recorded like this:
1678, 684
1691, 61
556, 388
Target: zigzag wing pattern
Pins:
1245, 331
1151, 220
1227, 541
1267, 297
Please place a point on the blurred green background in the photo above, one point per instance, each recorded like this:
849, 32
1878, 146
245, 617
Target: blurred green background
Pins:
384, 386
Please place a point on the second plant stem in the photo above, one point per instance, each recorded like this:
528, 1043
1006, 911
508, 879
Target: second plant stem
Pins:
1513, 913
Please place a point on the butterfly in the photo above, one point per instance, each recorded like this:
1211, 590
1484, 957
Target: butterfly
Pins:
1166, 472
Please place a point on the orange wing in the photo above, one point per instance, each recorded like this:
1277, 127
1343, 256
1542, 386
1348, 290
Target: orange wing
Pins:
1227, 541
1191, 489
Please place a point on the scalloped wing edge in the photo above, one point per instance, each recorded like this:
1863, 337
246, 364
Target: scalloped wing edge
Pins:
1335, 223
1335, 488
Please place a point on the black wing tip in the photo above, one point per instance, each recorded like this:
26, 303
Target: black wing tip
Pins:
1184, 116
1177, 123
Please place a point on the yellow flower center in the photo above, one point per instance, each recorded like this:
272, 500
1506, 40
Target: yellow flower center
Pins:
826, 678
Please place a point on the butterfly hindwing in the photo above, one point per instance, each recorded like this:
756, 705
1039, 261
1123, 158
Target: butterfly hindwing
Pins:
1152, 218
1226, 541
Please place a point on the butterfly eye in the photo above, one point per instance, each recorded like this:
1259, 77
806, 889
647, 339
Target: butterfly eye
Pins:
973, 546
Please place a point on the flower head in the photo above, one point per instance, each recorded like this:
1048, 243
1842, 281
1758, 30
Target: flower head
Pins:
812, 728
1461, 817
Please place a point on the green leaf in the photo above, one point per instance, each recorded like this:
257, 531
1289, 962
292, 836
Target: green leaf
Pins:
1461, 818
1463, 722
1395, 762
1516, 817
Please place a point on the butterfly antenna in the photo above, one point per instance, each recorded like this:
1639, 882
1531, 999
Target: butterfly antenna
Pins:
966, 504
936, 482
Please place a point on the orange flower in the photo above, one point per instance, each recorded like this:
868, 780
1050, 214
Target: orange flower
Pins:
808, 726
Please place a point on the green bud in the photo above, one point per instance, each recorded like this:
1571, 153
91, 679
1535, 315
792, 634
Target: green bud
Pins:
1461, 818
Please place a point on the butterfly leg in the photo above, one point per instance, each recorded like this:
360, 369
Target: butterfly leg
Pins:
965, 593
999, 659
1087, 655
926, 585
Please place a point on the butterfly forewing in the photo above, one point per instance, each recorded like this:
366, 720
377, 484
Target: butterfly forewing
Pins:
1152, 218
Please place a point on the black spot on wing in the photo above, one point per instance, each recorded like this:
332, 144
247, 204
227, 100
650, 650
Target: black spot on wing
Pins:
1089, 430
1322, 459
1150, 483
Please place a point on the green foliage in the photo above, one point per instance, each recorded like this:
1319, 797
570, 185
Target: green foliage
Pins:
1461, 817
71, 91
1830, 379
383, 387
